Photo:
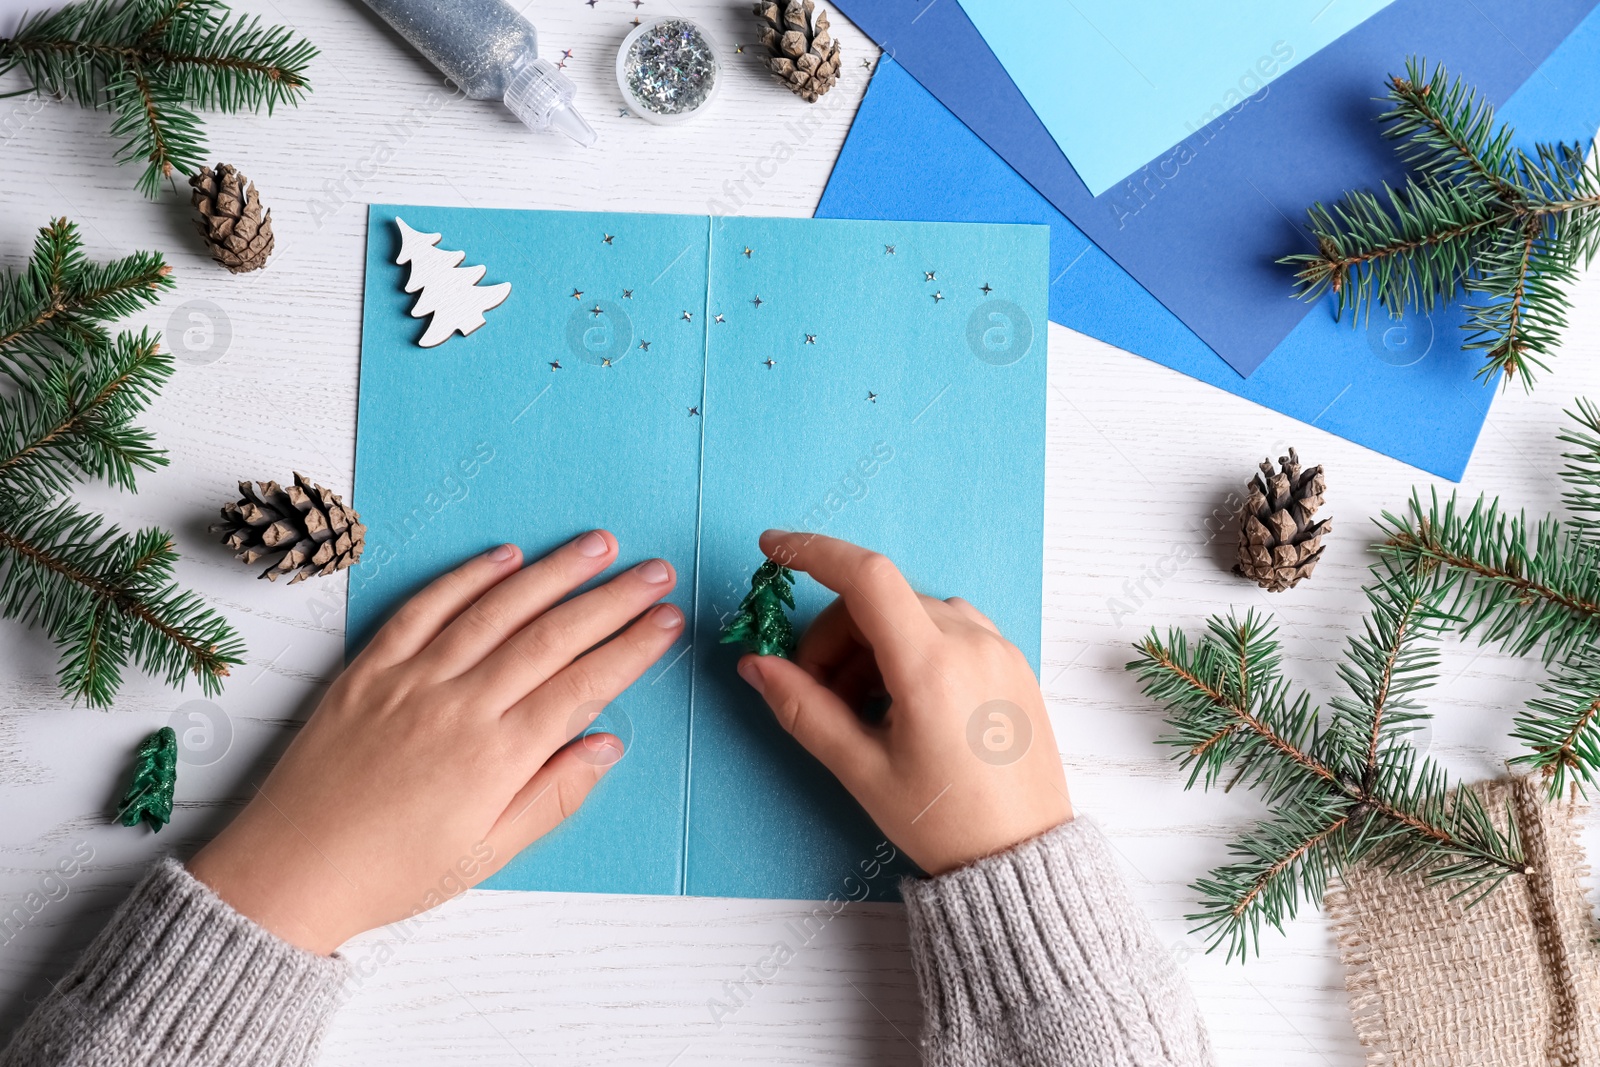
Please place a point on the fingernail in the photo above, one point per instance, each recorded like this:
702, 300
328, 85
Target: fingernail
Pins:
501, 553
667, 617
604, 753
592, 544
750, 671
654, 571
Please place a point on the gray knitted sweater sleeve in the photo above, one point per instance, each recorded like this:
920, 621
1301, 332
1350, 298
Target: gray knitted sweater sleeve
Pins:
1037, 957
179, 977
1032, 958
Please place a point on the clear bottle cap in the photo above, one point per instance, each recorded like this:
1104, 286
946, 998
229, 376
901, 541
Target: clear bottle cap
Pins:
541, 96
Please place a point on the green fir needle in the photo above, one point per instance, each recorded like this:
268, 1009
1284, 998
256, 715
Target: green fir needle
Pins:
155, 772
760, 623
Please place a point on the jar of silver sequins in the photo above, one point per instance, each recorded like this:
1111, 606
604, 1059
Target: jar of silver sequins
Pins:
668, 70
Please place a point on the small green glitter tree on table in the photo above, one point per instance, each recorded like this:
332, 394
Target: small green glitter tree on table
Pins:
760, 623
155, 772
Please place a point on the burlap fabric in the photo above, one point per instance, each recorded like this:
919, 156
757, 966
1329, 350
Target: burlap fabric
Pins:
1512, 982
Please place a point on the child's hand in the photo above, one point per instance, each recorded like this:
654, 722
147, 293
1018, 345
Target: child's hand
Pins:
443, 749
963, 764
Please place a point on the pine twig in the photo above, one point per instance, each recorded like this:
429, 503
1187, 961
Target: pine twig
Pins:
1582, 471
1562, 728
1352, 792
74, 421
62, 302
154, 64
1509, 228
1517, 584
106, 598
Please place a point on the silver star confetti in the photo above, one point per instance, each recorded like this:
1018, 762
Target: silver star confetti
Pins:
671, 68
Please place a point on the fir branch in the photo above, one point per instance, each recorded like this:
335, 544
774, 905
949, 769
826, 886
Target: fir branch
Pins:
1509, 228
1229, 706
1582, 471
1387, 664
154, 64
1446, 132
1562, 728
106, 598
62, 302
75, 420
1521, 585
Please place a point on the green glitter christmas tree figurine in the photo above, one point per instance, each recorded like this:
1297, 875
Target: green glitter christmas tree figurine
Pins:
760, 623
155, 772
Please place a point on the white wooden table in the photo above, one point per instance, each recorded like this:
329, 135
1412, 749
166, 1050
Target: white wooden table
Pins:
1139, 457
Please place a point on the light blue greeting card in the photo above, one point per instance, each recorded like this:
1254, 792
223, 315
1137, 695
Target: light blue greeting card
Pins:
1118, 82
688, 382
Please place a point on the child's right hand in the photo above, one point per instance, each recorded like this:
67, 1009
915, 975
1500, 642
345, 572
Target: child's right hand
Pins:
964, 763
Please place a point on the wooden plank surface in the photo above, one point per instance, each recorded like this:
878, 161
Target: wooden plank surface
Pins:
1139, 458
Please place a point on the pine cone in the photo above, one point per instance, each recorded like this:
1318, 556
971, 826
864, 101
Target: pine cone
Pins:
235, 228
1278, 543
803, 58
312, 526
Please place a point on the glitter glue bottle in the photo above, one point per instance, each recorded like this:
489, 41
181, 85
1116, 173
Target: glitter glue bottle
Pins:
492, 53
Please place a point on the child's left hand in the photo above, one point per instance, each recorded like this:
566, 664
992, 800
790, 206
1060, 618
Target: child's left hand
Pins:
443, 750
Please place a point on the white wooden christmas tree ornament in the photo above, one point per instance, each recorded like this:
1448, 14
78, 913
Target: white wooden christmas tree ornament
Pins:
451, 294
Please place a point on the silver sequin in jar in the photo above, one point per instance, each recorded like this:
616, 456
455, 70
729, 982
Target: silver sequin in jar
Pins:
668, 70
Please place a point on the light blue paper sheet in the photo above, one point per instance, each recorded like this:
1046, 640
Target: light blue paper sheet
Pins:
1118, 82
1404, 389
886, 416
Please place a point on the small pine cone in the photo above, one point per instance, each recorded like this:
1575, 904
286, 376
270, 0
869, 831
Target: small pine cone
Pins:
1279, 544
314, 529
803, 57
235, 228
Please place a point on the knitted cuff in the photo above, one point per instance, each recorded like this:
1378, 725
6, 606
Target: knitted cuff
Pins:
178, 976
1041, 945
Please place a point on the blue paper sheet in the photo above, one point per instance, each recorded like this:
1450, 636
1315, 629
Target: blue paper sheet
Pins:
1404, 389
1201, 226
1118, 83
863, 400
